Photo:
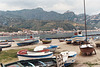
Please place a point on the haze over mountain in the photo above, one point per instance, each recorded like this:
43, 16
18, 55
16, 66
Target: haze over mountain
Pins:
31, 18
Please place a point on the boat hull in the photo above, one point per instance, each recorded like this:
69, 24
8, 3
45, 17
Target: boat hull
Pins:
5, 45
27, 43
87, 49
46, 62
26, 57
46, 41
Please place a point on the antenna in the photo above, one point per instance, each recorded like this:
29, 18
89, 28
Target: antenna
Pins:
85, 21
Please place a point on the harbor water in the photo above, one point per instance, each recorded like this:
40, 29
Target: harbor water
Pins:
57, 35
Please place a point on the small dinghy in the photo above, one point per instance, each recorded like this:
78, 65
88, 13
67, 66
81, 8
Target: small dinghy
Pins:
46, 40
5, 44
61, 40
25, 55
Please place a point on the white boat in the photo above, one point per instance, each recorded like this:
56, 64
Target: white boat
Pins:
24, 41
71, 56
78, 36
5, 44
25, 55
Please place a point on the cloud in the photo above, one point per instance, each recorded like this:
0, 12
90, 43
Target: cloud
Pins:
61, 6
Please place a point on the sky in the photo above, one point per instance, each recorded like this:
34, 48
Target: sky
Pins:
60, 6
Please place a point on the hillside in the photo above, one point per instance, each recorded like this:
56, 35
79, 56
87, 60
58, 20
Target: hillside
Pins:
38, 19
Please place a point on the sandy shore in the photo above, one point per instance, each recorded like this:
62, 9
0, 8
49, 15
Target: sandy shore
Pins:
80, 60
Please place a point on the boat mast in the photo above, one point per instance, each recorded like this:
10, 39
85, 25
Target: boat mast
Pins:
85, 21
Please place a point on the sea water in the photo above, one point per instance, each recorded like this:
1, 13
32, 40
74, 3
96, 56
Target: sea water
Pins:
57, 35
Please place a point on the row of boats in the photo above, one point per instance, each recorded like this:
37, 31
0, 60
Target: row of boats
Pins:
43, 56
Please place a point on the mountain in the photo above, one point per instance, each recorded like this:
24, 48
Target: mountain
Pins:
43, 19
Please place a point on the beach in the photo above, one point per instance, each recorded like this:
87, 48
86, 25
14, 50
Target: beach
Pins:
81, 61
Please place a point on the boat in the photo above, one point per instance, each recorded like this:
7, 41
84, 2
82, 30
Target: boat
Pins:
25, 55
41, 48
5, 44
71, 57
77, 39
61, 40
46, 62
87, 48
46, 40
69, 41
52, 48
25, 41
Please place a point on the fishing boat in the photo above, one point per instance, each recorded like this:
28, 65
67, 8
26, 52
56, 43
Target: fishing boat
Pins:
5, 44
78, 38
41, 48
86, 48
25, 55
46, 40
46, 62
25, 41
71, 57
